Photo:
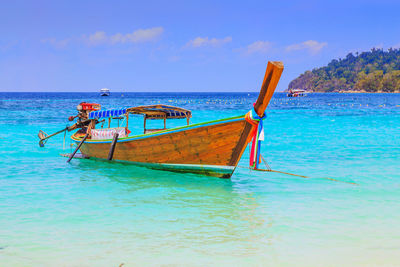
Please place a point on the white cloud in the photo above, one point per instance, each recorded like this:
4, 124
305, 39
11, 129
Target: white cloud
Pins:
312, 46
258, 47
56, 43
100, 37
138, 36
96, 38
205, 41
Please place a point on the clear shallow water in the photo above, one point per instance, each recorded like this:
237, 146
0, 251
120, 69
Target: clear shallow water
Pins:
92, 213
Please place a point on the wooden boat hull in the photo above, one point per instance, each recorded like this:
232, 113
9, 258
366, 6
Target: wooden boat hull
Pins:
211, 148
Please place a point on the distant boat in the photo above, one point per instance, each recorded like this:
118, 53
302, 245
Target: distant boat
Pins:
296, 92
104, 92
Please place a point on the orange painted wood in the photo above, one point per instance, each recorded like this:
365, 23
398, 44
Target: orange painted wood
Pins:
271, 79
211, 145
218, 144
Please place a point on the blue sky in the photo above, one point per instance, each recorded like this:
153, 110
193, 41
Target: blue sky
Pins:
181, 45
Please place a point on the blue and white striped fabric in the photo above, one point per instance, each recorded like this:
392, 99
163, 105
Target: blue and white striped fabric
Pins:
106, 113
169, 111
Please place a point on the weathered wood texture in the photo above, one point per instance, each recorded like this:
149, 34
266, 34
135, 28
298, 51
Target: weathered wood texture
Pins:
271, 79
112, 148
211, 145
219, 144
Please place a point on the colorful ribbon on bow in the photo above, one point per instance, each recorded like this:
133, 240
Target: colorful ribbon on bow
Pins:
257, 136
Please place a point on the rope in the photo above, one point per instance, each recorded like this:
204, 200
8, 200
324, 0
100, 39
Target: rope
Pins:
265, 162
255, 152
257, 136
65, 133
297, 175
122, 122
301, 176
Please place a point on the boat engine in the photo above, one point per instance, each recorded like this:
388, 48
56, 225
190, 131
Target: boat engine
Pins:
84, 109
82, 123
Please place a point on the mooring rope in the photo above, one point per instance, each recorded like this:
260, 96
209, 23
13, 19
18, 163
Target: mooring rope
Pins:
265, 162
257, 135
65, 133
297, 175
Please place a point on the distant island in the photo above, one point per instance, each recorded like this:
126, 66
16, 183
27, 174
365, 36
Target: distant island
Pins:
375, 71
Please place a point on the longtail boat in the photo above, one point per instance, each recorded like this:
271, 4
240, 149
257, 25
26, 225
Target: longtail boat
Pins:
211, 148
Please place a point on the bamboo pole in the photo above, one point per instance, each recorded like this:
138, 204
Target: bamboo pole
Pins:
112, 148
65, 133
43, 137
78, 147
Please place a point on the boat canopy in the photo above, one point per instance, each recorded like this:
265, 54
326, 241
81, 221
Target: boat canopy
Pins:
154, 112
107, 113
150, 112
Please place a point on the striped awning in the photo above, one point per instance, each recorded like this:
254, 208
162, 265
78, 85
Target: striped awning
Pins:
106, 113
161, 112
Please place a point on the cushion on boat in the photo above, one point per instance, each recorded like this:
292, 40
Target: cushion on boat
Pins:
103, 134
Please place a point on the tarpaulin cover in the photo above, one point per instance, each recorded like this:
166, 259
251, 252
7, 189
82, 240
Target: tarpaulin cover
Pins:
103, 134
106, 113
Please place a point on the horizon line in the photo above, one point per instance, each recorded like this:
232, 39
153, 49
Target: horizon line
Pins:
137, 92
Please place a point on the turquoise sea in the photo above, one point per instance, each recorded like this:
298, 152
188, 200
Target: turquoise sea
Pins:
94, 213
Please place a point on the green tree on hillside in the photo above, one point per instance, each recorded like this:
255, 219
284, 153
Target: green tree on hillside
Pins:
391, 81
373, 71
